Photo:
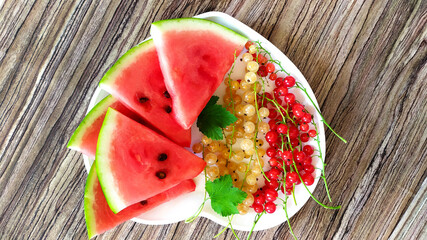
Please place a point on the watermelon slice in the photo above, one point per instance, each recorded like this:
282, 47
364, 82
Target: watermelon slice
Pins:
85, 137
194, 55
135, 163
137, 81
100, 218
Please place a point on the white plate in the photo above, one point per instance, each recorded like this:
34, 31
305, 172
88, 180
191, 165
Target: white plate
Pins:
185, 206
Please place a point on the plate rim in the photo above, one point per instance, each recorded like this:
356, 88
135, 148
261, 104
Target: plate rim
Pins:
244, 30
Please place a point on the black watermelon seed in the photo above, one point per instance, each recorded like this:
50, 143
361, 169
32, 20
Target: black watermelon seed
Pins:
161, 175
143, 99
166, 94
162, 157
143, 202
168, 109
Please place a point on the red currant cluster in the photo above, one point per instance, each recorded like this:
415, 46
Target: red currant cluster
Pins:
290, 158
285, 140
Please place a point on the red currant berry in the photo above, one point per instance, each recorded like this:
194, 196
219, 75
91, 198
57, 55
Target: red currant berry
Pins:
262, 70
309, 168
270, 67
306, 118
312, 133
271, 152
297, 106
292, 177
248, 44
258, 208
308, 150
287, 155
304, 137
289, 81
294, 142
259, 192
268, 95
299, 156
307, 161
272, 114
272, 137
298, 113
300, 167
270, 207
278, 82
282, 91
282, 129
308, 179
274, 174
276, 93
304, 127
273, 184
273, 76
259, 199
262, 59
273, 124
288, 184
280, 153
270, 194
274, 145
273, 162
280, 164
293, 132
289, 98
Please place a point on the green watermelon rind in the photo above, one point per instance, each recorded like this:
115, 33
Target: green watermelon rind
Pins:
197, 24
76, 139
103, 168
108, 80
88, 200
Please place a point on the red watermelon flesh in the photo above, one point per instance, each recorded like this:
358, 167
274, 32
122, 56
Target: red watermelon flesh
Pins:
194, 54
137, 81
100, 218
134, 162
85, 137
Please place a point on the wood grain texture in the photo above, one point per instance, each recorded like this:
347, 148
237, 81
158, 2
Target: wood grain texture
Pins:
364, 59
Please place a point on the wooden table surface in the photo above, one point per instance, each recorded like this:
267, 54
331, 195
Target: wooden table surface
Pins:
365, 60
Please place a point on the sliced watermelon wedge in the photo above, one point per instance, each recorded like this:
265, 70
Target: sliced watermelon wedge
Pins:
85, 137
100, 218
137, 81
134, 162
194, 54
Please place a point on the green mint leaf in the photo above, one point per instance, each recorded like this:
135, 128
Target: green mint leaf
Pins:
213, 118
212, 101
224, 197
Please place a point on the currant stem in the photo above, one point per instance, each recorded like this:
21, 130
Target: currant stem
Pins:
323, 162
296, 170
287, 217
274, 61
321, 204
299, 86
257, 218
231, 227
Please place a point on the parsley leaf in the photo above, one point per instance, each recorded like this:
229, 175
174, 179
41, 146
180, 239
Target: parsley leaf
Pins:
224, 197
213, 118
